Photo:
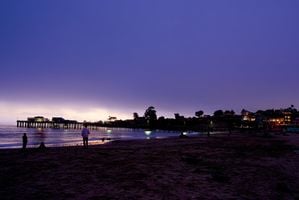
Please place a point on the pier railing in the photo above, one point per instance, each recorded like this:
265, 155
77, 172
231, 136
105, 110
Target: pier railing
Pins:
57, 125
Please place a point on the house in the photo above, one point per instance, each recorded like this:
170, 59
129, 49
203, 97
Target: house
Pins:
247, 116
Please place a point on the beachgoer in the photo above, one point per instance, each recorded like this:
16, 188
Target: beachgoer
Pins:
42, 145
85, 132
25, 140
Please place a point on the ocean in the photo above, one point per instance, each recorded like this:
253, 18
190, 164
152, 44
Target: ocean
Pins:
11, 136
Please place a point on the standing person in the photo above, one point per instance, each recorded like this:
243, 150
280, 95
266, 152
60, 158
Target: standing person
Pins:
85, 132
210, 127
25, 140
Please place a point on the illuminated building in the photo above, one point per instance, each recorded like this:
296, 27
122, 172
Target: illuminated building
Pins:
248, 116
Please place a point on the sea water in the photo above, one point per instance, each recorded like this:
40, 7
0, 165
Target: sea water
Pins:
11, 136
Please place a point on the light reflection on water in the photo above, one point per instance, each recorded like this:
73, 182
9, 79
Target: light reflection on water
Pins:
11, 136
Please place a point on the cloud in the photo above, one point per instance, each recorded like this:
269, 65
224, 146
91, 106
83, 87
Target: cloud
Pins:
10, 112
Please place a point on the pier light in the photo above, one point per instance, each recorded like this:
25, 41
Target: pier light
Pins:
148, 133
185, 133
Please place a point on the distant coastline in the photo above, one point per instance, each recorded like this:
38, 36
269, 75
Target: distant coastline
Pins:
268, 120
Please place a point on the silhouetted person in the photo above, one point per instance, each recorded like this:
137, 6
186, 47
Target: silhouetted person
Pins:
42, 145
25, 140
85, 132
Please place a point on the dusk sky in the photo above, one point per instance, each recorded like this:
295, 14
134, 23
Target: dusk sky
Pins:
91, 59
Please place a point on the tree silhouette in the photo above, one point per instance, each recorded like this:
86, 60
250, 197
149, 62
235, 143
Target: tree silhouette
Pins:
199, 113
218, 113
229, 113
110, 118
135, 116
176, 116
150, 114
161, 118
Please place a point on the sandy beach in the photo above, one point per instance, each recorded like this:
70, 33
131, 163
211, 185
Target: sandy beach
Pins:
219, 167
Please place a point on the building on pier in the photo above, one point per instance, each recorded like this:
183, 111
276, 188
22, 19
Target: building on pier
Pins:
56, 122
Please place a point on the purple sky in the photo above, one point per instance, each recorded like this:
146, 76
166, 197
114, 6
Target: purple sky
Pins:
122, 56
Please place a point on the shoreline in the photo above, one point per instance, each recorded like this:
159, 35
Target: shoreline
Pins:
100, 142
216, 167
107, 139
12, 136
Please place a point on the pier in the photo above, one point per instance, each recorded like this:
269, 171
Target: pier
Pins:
57, 123
28, 124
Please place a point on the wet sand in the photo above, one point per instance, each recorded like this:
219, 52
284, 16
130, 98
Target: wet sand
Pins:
219, 167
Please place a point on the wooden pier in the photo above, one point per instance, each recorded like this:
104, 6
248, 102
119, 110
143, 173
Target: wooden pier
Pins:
62, 125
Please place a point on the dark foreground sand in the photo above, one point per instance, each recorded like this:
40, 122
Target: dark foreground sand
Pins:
219, 167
